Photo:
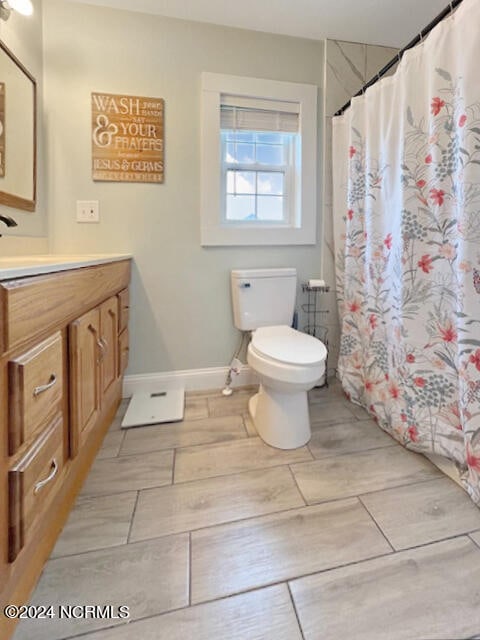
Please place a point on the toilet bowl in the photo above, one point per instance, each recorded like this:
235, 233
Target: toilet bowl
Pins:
288, 364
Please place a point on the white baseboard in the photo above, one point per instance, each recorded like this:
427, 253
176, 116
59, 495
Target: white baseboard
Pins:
191, 379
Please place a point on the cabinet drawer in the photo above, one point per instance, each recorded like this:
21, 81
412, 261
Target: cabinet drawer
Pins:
123, 309
32, 483
123, 351
35, 389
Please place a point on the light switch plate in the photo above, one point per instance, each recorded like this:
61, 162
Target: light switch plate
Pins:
88, 211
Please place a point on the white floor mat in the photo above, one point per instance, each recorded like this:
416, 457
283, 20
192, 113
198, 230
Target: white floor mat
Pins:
154, 407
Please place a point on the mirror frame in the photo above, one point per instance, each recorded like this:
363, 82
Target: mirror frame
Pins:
9, 199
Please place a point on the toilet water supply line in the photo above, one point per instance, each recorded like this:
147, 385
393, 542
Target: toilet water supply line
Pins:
235, 366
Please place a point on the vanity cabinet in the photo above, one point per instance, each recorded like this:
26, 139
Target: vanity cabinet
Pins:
63, 350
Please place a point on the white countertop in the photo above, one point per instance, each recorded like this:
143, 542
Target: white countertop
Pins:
21, 266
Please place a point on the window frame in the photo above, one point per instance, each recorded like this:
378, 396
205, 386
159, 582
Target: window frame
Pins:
301, 225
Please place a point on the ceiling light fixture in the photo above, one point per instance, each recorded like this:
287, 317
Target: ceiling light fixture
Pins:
25, 7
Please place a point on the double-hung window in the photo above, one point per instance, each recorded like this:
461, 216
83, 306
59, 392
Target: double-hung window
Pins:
260, 144
258, 161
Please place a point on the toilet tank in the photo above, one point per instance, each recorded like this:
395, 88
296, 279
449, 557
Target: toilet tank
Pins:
263, 297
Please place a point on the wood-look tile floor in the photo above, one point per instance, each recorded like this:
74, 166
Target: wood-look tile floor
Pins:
207, 533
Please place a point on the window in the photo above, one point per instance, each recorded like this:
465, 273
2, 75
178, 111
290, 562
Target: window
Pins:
258, 163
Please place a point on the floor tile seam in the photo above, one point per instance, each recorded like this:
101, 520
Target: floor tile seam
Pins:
174, 459
127, 545
298, 577
187, 446
81, 499
206, 479
406, 484
297, 616
122, 442
335, 455
382, 533
397, 444
132, 518
477, 544
237, 412
309, 450
417, 453
62, 556
227, 522
441, 478
390, 554
121, 492
234, 473
433, 542
329, 402
245, 427
297, 486
208, 407
367, 493
335, 423
138, 453
315, 423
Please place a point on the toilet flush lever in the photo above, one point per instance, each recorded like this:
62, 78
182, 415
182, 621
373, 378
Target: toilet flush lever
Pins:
245, 285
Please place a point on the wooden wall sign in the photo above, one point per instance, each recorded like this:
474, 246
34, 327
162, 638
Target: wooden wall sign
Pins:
127, 138
2, 129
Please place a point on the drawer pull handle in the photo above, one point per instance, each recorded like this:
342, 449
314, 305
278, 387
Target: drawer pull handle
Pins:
45, 387
41, 483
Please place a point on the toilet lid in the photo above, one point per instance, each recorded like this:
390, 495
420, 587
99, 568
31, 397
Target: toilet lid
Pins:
288, 345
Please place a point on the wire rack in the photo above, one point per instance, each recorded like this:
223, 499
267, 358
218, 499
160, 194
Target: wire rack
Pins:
316, 314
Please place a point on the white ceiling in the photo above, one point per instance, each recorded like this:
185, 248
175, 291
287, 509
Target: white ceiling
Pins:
387, 22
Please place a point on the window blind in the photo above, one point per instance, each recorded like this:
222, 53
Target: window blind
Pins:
250, 114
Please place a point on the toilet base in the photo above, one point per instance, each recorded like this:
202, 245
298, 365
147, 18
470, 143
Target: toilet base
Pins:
281, 419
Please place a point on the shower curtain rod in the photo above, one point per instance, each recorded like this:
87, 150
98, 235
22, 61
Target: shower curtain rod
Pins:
441, 16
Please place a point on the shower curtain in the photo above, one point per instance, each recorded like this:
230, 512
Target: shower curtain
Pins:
406, 166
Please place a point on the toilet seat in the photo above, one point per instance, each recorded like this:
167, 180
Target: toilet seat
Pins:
288, 346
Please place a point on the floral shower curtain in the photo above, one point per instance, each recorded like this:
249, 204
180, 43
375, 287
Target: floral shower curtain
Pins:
406, 164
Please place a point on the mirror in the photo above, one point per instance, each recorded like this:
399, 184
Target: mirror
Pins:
18, 156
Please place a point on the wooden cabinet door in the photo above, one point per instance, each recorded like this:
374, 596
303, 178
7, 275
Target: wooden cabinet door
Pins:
85, 389
109, 343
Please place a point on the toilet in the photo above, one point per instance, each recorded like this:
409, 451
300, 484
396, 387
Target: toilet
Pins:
288, 363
